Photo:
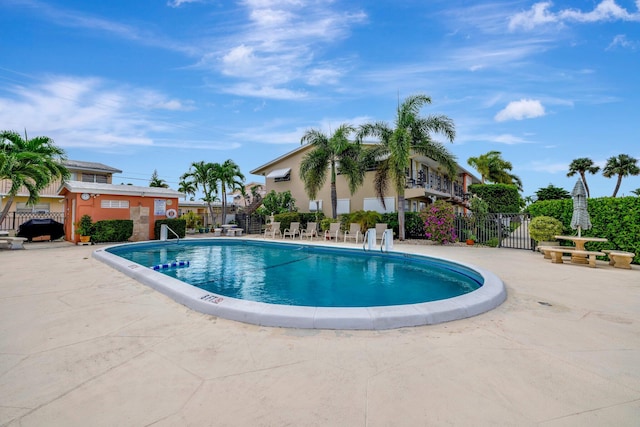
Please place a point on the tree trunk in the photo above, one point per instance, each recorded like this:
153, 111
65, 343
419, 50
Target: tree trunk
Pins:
401, 215
224, 205
334, 201
5, 210
617, 185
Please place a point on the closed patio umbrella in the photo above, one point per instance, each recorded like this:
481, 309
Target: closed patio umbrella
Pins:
580, 218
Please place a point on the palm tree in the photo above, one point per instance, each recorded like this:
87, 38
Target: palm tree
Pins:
156, 181
494, 168
230, 178
187, 187
411, 134
623, 165
581, 166
636, 191
29, 163
340, 154
203, 177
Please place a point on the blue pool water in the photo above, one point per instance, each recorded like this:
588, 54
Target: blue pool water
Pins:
305, 275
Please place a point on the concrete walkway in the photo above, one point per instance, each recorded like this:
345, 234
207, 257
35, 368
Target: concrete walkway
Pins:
83, 345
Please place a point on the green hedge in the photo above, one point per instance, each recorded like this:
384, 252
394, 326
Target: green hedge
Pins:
179, 226
285, 219
112, 230
501, 198
616, 219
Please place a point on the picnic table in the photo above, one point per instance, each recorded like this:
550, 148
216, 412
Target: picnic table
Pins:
579, 255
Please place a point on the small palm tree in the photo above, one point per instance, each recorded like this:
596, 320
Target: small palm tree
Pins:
230, 179
188, 188
29, 163
494, 168
339, 154
622, 165
411, 134
581, 166
156, 181
203, 177
636, 191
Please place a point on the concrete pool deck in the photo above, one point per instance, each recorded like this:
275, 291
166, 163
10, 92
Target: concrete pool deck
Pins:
82, 344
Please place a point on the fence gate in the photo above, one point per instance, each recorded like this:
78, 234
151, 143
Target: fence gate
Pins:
514, 229
502, 230
251, 224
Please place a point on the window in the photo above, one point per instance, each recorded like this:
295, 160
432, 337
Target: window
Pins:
114, 204
315, 204
37, 208
92, 177
343, 206
373, 204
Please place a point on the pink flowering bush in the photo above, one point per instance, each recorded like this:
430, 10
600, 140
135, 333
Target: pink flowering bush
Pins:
439, 222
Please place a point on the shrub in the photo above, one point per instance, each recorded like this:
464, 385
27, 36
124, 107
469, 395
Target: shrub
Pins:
544, 228
113, 230
324, 224
84, 227
285, 219
439, 222
192, 219
366, 219
178, 225
501, 198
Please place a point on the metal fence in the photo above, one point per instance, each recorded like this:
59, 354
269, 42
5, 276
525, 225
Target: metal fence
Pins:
502, 230
15, 219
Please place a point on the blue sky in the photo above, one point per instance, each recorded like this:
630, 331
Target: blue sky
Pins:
144, 85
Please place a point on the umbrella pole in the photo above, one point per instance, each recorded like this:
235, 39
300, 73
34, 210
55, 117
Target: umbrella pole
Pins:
579, 229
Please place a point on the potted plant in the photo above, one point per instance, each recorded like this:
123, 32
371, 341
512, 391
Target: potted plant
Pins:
471, 238
84, 227
192, 221
543, 230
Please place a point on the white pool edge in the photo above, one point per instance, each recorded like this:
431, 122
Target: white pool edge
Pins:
486, 298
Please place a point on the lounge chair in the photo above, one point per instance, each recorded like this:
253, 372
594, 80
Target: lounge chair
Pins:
333, 232
380, 230
293, 230
354, 232
310, 231
272, 230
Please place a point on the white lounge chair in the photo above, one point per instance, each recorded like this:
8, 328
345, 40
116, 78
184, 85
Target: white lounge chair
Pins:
354, 232
310, 231
333, 232
380, 230
292, 231
272, 230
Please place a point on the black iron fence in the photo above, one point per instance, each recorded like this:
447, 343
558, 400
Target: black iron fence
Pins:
15, 219
502, 230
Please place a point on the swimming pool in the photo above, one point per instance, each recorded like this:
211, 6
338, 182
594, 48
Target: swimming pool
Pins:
308, 286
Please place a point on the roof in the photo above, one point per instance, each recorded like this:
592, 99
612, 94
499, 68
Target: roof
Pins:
123, 190
264, 169
89, 166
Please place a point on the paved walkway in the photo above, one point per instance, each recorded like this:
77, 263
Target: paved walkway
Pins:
83, 345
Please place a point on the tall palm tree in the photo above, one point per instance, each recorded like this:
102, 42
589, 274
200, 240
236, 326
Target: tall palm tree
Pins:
203, 176
29, 163
187, 187
622, 165
333, 154
494, 168
411, 134
581, 166
230, 178
156, 181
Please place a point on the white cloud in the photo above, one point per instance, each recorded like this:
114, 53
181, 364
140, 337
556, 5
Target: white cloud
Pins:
622, 41
87, 112
178, 3
540, 14
518, 110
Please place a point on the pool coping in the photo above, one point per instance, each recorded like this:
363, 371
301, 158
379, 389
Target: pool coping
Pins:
489, 296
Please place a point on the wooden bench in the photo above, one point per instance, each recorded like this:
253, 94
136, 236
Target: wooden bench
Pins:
547, 255
619, 259
556, 255
7, 242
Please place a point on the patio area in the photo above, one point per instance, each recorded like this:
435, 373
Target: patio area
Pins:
82, 344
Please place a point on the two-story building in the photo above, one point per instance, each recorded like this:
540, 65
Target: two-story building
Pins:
426, 182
